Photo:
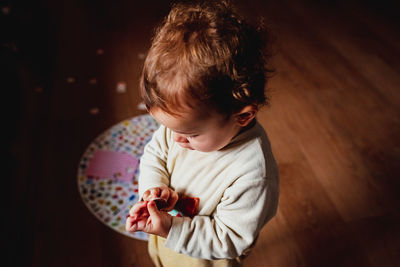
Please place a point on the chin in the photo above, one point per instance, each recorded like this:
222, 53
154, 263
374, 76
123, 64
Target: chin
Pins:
186, 146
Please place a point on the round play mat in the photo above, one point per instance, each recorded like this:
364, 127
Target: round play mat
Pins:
108, 171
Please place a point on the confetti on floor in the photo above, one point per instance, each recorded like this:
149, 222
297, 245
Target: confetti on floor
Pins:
99, 51
141, 106
94, 111
38, 89
93, 81
121, 87
6, 10
71, 80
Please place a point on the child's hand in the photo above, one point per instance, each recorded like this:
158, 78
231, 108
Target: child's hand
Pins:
144, 216
163, 192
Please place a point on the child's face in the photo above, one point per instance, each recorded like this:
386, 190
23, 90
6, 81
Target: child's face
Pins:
196, 131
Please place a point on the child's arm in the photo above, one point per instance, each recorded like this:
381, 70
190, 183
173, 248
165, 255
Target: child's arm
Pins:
153, 163
234, 226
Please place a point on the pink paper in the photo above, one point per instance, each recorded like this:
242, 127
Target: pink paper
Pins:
112, 165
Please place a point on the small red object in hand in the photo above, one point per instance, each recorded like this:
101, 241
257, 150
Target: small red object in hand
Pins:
160, 203
188, 205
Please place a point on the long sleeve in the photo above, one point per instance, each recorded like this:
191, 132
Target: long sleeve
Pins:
243, 210
153, 171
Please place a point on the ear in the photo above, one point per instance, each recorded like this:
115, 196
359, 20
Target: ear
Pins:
246, 115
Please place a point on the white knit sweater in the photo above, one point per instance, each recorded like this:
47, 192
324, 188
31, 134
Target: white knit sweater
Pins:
238, 188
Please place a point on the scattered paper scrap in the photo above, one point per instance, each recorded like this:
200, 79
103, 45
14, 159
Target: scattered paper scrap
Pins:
71, 80
100, 51
38, 89
121, 87
94, 111
6, 10
141, 106
93, 81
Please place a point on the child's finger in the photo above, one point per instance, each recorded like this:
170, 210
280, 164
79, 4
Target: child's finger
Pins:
173, 198
143, 216
133, 228
136, 223
165, 193
135, 209
139, 224
138, 208
146, 195
155, 192
130, 221
152, 208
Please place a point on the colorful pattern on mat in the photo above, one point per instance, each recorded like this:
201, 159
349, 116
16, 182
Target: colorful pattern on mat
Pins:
108, 171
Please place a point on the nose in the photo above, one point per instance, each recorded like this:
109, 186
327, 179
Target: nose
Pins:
179, 138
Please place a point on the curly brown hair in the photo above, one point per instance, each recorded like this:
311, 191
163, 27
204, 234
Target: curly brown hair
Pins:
204, 53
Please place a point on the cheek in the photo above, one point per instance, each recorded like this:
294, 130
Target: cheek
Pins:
206, 143
199, 144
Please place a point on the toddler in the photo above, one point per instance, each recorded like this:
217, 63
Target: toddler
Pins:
203, 80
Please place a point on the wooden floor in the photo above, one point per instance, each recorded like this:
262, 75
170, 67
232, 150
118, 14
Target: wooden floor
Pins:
334, 124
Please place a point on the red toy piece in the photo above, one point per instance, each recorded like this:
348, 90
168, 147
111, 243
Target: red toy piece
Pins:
188, 205
160, 203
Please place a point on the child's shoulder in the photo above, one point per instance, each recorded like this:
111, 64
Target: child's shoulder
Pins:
252, 138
